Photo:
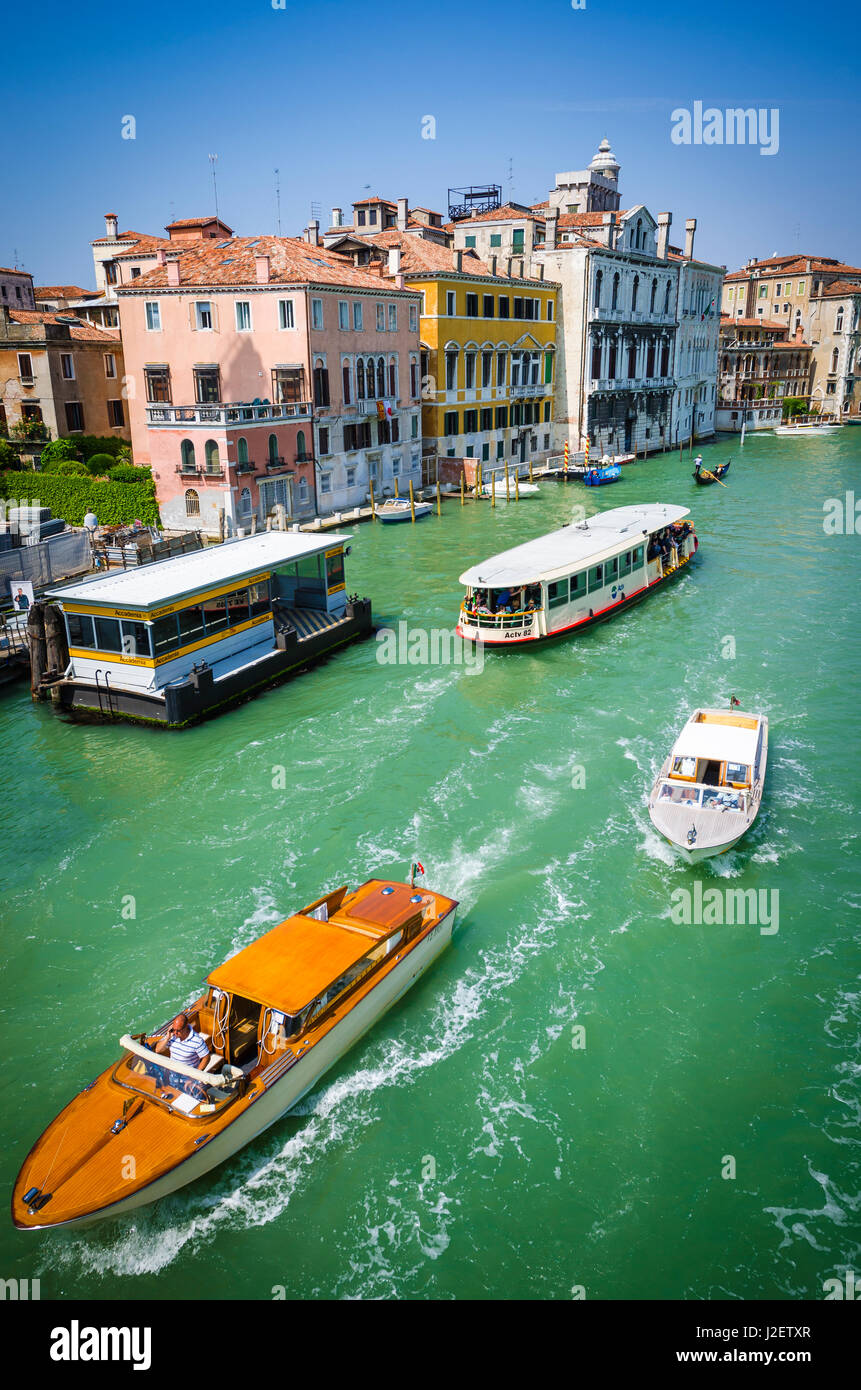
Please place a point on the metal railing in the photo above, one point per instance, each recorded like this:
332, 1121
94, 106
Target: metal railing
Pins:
500, 622
233, 413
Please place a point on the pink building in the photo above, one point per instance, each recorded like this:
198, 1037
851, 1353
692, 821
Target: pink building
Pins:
238, 351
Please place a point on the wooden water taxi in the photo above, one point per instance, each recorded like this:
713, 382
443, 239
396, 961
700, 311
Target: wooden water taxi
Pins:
274, 1018
709, 790
399, 510
568, 580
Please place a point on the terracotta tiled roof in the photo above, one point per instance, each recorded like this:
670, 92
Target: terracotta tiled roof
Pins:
588, 219
429, 210
291, 261
64, 292
753, 323
121, 236
147, 246
363, 202
506, 213
794, 265
82, 332
838, 288
7, 270
420, 256
196, 222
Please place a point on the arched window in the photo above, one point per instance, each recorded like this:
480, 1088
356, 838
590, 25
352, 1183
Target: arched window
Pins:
192, 503
360, 380
635, 292
652, 297
667, 298
273, 448
188, 461
345, 373
300, 446
245, 501
211, 453
614, 304
599, 281
393, 379
242, 450
381, 377
834, 357
414, 378
838, 324
639, 230
725, 365
370, 380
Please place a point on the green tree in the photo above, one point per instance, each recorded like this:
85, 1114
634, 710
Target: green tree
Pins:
58, 451
100, 464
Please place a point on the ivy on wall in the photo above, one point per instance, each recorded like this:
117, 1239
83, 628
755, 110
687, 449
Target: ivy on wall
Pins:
114, 503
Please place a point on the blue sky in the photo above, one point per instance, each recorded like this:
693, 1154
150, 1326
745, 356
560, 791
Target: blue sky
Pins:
333, 94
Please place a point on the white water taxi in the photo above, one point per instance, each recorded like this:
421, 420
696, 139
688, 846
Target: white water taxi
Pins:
709, 790
570, 579
274, 1018
813, 425
398, 509
512, 492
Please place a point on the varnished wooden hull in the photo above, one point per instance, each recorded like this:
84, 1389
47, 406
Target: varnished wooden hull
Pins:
270, 1103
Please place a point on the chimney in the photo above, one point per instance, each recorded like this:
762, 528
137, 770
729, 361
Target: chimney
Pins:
173, 272
541, 270
403, 214
799, 333
690, 229
665, 221
314, 233
522, 272
551, 227
493, 265
161, 255
261, 266
458, 261
337, 217
608, 230
110, 224
394, 260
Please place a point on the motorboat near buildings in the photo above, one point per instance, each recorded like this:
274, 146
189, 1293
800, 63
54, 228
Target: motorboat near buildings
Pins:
814, 425
709, 790
570, 579
174, 641
273, 1019
597, 477
507, 490
399, 509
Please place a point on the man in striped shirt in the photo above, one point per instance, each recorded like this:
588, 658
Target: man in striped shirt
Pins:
188, 1048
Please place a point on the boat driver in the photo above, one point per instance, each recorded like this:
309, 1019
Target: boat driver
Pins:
187, 1047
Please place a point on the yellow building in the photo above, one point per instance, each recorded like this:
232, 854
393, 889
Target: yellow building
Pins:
488, 347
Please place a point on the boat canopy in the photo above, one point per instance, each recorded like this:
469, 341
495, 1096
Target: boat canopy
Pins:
295, 962
167, 581
720, 742
561, 552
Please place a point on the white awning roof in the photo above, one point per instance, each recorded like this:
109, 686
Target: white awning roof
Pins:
562, 551
721, 742
150, 586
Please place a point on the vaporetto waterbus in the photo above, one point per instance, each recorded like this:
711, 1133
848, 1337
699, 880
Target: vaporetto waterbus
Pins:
568, 580
171, 642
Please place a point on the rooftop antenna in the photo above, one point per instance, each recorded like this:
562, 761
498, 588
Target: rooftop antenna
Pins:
213, 160
316, 211
510, 177
277, 203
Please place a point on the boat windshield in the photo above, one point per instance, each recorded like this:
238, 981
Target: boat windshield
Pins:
506, 602
188, 1092
709, 798
685, 795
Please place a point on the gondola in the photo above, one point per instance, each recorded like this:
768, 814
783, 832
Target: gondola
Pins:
705, 477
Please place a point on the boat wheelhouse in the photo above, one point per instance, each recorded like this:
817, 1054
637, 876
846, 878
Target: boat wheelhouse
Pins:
571, 579
709, 790
171, 642
273, 1019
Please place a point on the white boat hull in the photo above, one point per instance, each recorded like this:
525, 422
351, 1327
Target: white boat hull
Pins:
275, 1102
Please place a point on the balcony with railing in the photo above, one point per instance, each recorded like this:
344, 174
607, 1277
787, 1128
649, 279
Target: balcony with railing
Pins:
243, 413
632, 383
529, 389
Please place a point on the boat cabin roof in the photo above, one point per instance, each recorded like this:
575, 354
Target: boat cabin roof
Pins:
151, 586
561, 552
296, 961
724, 742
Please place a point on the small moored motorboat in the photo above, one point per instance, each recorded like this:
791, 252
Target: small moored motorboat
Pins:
513, 491
274, 1018
400, 509
709, 790
597, 477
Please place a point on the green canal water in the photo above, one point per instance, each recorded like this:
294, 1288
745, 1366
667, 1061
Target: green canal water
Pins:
468, 1147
